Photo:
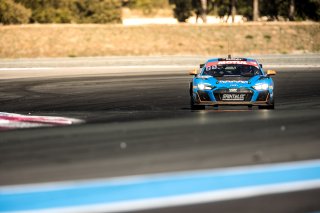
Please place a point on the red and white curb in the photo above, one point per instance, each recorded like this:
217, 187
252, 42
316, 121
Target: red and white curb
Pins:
18, 121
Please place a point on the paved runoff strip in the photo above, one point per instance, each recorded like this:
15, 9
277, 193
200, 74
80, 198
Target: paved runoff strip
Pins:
17, 121
174, 66
161, 190
29, 72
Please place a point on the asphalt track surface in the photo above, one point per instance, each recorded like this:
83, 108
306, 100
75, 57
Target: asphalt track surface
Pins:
141, 123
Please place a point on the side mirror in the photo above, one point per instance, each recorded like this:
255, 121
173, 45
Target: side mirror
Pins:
193, 72
261, 65
271, 72
201, 65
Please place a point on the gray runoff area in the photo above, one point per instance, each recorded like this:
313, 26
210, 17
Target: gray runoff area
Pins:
268, 60
138, 121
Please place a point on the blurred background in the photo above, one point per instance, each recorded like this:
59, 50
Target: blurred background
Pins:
114, 11
147, 27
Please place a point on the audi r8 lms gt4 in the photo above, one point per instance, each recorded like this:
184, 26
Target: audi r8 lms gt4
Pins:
232, 81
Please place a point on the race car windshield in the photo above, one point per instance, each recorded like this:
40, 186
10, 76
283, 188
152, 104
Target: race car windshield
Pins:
231, 70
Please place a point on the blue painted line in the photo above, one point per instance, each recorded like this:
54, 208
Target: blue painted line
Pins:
153, 186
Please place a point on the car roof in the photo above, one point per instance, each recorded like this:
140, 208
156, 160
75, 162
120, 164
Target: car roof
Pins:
232, 59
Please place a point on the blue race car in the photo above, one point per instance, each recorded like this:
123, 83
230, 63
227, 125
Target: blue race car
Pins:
232, 81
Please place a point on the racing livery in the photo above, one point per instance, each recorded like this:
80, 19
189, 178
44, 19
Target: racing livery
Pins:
232, 81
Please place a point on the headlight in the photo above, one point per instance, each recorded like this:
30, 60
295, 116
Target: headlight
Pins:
204, 87
261, 86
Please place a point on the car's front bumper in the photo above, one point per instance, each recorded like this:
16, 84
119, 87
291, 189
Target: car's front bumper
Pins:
248, 97
230, 103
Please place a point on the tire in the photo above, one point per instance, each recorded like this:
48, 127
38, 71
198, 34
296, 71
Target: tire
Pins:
190, 89
269, 107
196, 107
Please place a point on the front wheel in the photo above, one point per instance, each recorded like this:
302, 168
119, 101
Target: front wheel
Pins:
196, 107
270, 106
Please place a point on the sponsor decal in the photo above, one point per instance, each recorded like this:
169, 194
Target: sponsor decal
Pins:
233, 97
209, 64
232, 62
240, 82
249, 63
233, 90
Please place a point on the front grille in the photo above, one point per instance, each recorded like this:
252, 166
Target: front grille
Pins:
263, 96
218, 94
204, 96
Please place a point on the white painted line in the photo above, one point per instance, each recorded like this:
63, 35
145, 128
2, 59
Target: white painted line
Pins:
99, 67
293, 65
20, 125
